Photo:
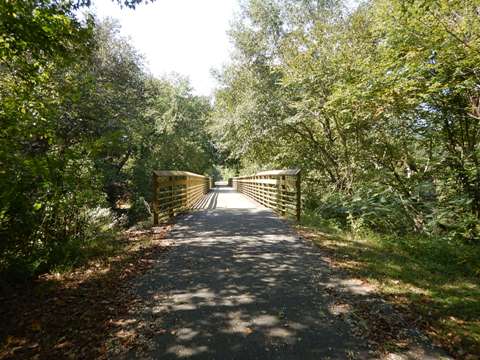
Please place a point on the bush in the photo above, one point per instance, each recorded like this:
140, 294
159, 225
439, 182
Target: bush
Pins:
46, 222
139, 211
377, 209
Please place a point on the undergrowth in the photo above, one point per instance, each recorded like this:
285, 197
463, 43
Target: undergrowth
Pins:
435, 278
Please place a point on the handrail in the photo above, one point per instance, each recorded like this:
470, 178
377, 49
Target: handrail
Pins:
277, 189
176, 191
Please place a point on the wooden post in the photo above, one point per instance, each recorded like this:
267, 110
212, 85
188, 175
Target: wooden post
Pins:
187, 186
279, 189
172, 196
299, 195
155, 200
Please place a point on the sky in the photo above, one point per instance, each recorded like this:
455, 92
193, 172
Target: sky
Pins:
188, 37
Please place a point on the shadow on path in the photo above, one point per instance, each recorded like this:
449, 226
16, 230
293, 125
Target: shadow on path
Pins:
239, 284
209, 201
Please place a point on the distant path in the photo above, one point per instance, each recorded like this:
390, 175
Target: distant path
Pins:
239, 284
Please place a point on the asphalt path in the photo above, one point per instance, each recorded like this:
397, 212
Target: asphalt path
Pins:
238, 283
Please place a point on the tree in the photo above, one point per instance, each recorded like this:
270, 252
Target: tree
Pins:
378, 105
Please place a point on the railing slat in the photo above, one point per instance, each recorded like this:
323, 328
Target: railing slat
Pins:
276, 189
176, 191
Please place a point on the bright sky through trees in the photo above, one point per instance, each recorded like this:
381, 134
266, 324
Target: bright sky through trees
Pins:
184, 36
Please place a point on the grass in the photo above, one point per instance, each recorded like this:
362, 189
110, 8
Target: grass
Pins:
430, 277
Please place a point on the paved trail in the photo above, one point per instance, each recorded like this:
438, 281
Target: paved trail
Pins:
239, 284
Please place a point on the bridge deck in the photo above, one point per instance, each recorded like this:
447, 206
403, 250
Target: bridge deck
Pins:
225, 198
238, 283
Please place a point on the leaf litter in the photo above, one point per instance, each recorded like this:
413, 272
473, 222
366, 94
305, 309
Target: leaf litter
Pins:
70, 315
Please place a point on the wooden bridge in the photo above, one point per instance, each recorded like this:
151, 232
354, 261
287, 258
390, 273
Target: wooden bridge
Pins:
238, 282
179, 191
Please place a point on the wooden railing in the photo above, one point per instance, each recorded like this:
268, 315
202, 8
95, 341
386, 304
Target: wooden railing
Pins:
176, 191
276, 189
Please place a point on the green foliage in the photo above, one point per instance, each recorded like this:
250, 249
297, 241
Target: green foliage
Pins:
379, 105
140, 210
173, 136
82, 128
46, 183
